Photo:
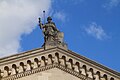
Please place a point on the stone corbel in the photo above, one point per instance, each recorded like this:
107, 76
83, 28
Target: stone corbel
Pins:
103, 78
76, 68
69, 65
34, 65
49, 61
13, 71
1, 74
90, 74
83, 71
96, 77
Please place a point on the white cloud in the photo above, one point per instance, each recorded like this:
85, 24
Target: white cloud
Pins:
96, 31
18, 17
111, 3
60, 16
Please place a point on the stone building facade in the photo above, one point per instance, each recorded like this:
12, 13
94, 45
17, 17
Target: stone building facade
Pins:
53, 64
54, 61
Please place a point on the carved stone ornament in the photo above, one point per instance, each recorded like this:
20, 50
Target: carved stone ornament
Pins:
37, 61
52, 36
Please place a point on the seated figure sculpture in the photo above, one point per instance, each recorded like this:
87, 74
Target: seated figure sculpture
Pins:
52, 35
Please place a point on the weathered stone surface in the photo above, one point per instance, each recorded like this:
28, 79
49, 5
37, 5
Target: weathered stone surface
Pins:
52, 74
39, 61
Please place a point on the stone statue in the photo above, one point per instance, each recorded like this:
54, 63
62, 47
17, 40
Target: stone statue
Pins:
52, 35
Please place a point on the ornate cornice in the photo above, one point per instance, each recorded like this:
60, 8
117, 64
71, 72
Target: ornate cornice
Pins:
40, 69
65, 60
89, 61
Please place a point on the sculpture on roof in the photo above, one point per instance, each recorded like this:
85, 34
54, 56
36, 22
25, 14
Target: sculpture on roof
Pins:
52, 35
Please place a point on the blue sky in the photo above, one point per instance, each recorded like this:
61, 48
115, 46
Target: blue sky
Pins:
91, 28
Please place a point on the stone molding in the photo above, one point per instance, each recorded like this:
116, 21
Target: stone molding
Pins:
39, 60
40, 69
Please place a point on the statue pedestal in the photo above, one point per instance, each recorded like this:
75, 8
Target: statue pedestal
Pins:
51, 44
